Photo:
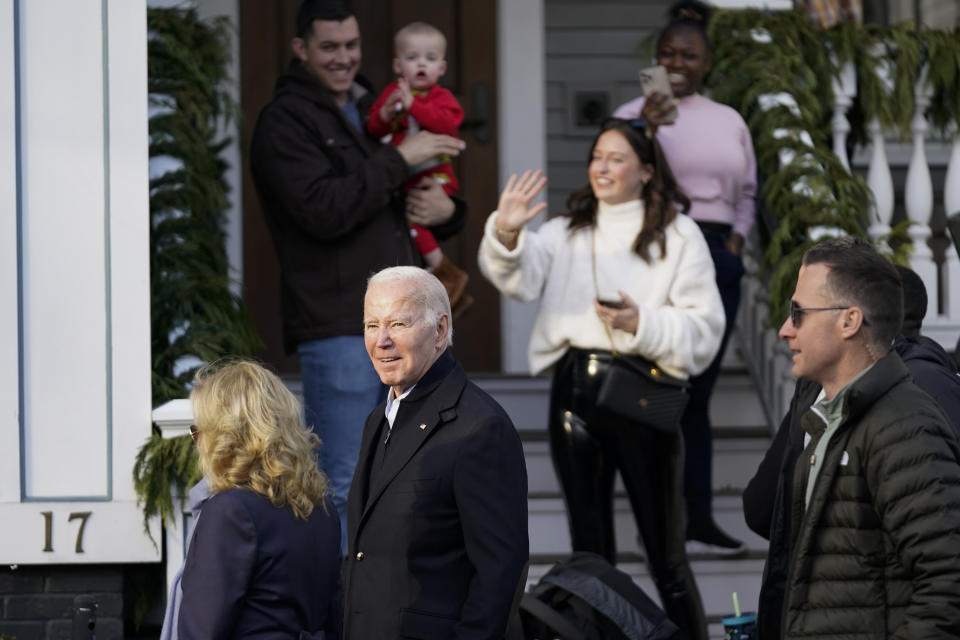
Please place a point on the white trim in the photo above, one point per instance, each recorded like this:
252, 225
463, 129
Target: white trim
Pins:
521, 71
9, 323
233, 222
130, 240
64, 291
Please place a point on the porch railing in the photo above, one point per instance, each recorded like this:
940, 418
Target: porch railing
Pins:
767, 356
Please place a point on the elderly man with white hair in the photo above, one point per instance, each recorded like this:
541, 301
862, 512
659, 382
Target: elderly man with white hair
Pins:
437, 513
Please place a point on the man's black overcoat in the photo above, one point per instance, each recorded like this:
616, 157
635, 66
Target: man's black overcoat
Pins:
437, 533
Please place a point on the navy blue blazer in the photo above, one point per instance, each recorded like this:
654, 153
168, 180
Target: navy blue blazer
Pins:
254, 570
438, 534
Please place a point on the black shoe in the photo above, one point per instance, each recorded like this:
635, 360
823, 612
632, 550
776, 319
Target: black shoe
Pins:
705, 537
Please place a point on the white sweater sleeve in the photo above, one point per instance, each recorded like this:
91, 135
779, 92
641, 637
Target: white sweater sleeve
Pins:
685, 333
522, 272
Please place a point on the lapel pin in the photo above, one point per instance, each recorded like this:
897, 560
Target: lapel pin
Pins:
422, 427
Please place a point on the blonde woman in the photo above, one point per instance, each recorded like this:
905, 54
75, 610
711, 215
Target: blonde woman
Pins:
264, 559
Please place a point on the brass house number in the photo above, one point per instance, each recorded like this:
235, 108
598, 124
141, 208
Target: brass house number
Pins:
48, 529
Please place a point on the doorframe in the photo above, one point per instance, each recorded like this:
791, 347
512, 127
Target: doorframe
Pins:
522, 113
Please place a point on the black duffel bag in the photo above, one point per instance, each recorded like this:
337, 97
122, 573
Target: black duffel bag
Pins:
586, 598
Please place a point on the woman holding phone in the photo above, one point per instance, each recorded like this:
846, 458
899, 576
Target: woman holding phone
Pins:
710, 151
621, 270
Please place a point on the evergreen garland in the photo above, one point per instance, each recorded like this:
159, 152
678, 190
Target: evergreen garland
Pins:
758, 53
943, 55
163, 463
193, 311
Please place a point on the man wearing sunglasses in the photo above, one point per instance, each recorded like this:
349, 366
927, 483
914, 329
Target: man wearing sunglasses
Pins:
864, 529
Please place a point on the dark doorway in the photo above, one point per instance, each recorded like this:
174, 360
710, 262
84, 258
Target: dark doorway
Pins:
265, 32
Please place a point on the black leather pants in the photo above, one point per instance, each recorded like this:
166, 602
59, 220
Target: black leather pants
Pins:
588, 446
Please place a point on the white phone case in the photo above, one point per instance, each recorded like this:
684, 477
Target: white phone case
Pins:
654, 79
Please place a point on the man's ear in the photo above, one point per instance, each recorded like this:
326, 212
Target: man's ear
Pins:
443, 330
299, 48
852, 322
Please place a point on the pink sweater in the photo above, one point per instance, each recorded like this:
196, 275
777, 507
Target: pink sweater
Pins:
711, 154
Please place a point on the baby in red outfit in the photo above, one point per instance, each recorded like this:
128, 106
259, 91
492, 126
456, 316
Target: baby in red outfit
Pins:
414, 102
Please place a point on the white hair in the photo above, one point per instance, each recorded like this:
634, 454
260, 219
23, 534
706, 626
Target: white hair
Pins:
428, 292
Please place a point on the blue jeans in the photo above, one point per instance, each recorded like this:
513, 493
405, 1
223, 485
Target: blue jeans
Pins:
340, 389
697, 435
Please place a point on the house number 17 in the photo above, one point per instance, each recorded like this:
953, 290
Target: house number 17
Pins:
48, 529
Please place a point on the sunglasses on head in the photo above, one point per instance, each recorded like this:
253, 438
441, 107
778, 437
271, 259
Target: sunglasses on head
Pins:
637, 123
796, 313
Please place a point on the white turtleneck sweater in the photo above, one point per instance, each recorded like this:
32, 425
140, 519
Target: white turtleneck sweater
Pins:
681, 317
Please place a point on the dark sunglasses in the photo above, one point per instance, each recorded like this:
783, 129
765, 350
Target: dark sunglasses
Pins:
796, 313
194, 432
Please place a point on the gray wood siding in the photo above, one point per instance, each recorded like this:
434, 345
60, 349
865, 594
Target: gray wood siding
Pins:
590, 47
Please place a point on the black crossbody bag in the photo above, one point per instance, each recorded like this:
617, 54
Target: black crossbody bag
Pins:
635, 388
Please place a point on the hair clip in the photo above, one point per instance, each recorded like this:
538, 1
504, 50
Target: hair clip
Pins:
690, 14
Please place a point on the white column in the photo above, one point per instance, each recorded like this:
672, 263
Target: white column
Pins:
844, 89
174, 419
522, 138
951, 205
919, 198
75, 234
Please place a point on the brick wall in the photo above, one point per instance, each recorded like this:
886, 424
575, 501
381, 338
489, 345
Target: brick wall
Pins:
37, 602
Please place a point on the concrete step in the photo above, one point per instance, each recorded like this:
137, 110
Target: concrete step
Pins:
735, 459
550, 533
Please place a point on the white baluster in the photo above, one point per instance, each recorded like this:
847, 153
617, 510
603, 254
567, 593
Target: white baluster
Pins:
951, 187
880, 182
844, 89
951, 205
878, 174
919, 198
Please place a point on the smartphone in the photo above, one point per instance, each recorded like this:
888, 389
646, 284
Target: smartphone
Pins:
654, 79
612, 304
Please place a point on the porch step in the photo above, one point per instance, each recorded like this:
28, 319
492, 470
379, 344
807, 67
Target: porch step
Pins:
734, 461
741, 437
550, 535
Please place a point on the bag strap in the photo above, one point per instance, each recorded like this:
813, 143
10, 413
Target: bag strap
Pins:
596, 286
648, 368
545, 614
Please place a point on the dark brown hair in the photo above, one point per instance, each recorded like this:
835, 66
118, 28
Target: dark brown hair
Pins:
661, 195
326, 10
859, 276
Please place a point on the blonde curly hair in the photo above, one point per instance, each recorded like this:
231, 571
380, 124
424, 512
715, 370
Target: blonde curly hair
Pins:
251, 436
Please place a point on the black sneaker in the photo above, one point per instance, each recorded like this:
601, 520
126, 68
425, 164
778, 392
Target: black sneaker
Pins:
705, 537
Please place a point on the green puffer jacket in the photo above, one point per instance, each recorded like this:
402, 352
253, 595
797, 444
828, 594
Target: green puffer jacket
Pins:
877, 553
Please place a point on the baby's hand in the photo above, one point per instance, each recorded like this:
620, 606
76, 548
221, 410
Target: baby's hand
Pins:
406, 96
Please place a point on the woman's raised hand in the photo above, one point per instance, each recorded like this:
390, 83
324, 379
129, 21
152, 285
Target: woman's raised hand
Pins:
514, 210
